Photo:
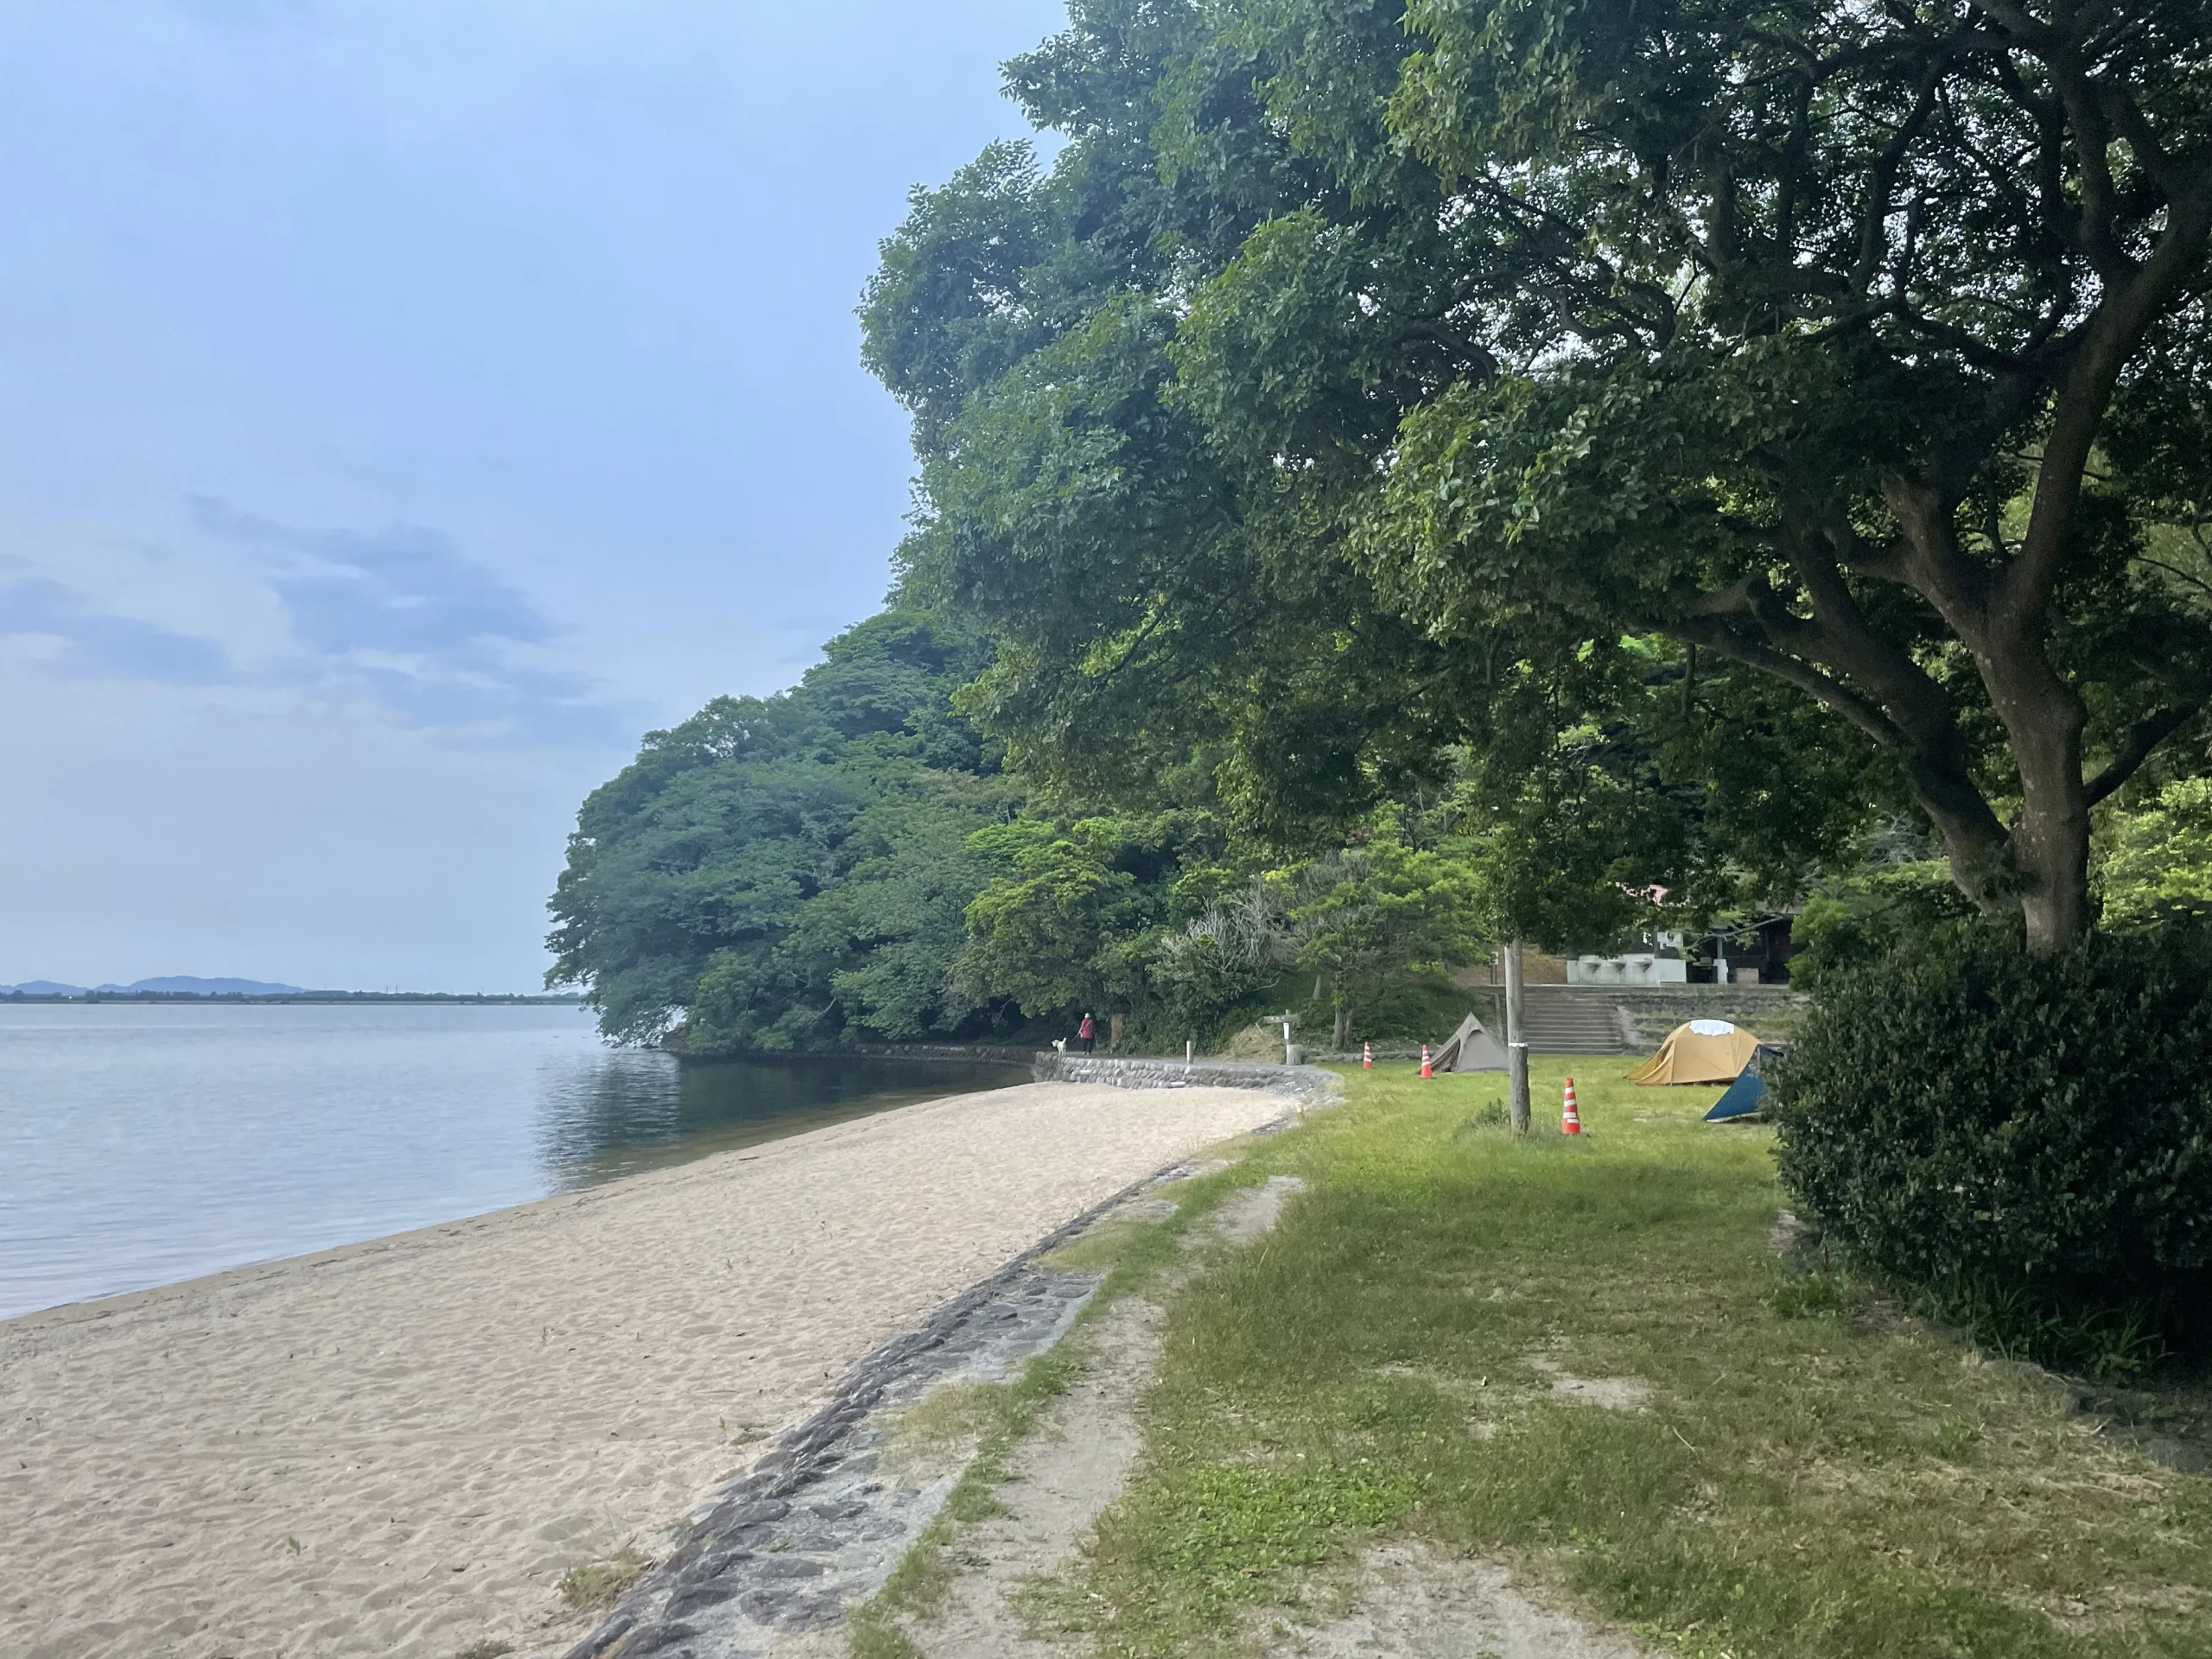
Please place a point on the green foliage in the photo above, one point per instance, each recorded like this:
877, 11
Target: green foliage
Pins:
1070, 912
2031, 1133
1204, 983
1413, 1007
1629, 786
1357, 376
1150, 620
792, 871
2114, 1343
1378, 912
2157, 862
1868, 915
844, 862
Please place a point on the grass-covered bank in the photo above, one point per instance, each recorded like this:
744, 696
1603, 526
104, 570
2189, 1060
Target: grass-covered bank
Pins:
1810, 1472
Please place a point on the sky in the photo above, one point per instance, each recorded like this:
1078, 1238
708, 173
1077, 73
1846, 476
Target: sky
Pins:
404, 404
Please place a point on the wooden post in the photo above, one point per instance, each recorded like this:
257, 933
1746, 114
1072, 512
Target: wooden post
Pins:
1517, 1043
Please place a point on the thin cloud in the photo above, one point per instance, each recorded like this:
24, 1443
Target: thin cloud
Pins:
433, 635
97, 643
404, 589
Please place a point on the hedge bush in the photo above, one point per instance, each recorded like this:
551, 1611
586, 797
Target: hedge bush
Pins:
2012, 1130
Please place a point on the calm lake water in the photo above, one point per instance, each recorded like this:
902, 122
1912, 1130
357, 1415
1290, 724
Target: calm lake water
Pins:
142, 1144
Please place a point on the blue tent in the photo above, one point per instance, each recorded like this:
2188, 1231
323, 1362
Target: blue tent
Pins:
1745, 1096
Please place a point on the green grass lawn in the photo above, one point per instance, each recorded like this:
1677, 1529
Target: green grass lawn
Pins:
1813, 1473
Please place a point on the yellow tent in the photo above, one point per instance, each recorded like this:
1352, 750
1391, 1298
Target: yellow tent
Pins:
1704, 1050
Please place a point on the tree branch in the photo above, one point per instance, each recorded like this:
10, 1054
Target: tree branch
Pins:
2085, 112
1717, 636
2114, 330
1934, 568
1875, 213
2134, 749
1978, 844
2176, 571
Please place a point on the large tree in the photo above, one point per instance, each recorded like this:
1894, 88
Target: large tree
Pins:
1374, 912
1853, 347
792, 871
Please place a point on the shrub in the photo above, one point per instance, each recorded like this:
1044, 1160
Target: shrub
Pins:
2008, 1131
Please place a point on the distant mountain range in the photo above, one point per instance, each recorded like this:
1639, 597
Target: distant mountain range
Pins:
173, 985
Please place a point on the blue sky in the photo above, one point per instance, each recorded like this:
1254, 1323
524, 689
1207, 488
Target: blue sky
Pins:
405, 404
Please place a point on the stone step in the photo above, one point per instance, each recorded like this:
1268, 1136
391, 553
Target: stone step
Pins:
1565, 1023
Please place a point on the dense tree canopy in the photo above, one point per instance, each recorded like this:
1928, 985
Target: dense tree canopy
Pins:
1072, 913
846, 863
1597, 462
793, 865
1353, 365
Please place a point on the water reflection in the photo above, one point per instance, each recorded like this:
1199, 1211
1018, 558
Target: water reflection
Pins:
142, 1144
630, 1112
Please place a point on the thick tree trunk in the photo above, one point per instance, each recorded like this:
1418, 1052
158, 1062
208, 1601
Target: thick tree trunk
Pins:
1342, 1036
2044, 717
2040, 863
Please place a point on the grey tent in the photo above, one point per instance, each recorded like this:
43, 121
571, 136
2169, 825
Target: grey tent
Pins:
1469, 1049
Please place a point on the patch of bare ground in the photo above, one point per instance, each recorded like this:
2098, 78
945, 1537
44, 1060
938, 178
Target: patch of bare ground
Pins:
1409, 1600
1613, 1393
1063, 1478
1784, 1232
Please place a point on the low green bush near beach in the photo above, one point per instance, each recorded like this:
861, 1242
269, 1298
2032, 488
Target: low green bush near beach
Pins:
1601, 1363
2027, 1142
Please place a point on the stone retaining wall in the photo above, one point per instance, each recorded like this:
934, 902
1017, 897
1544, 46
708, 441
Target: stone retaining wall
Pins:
1308, 1085
1654, 1010
995, 1054
1769, 1010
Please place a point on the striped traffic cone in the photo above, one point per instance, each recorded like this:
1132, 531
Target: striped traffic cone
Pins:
1367, 1056
1570, 1121
1425, 1072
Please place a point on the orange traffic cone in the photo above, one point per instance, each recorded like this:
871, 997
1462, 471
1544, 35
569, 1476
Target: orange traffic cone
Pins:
1570, 1121
1367, 1056
1425, 1072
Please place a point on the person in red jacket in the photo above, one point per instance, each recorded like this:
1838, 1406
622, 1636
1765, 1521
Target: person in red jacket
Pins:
1087, 1034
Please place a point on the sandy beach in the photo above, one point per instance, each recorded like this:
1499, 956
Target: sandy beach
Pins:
396, 1448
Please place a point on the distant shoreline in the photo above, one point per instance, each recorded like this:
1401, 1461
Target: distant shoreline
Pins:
196, 999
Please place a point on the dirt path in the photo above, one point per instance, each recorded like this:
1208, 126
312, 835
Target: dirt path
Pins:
1076, 1464
1063, 1479
1406, 1599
